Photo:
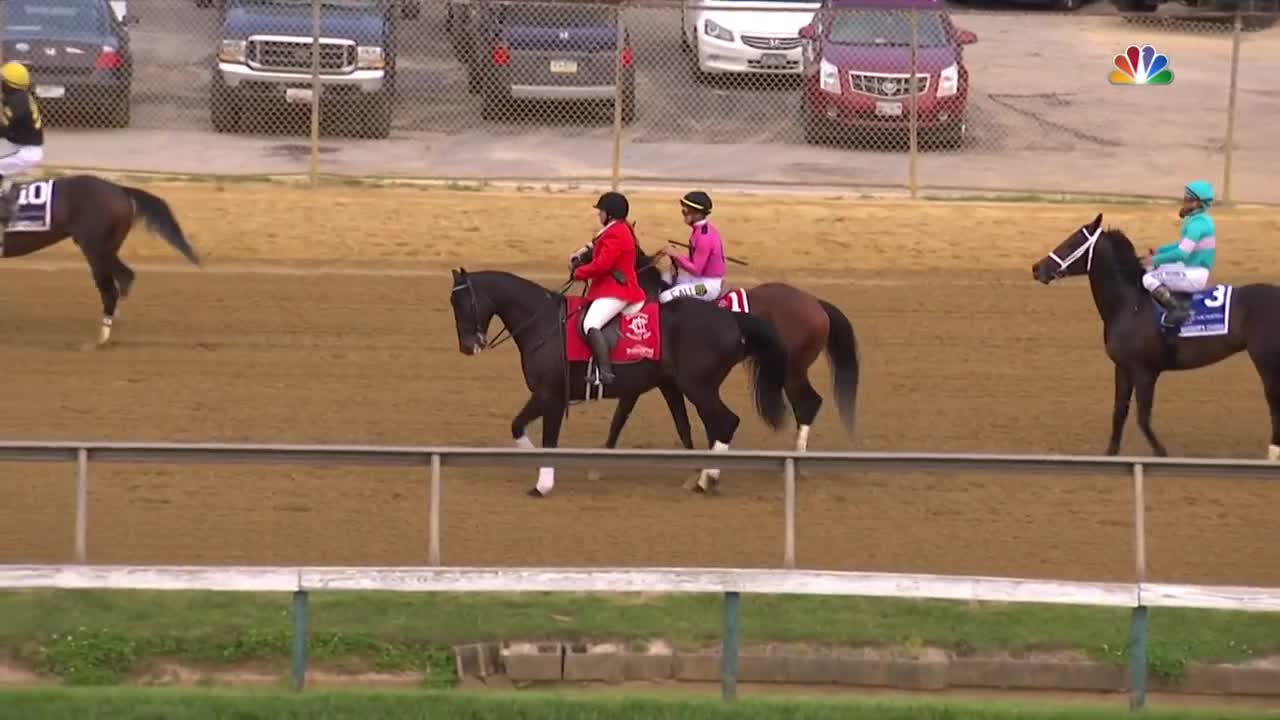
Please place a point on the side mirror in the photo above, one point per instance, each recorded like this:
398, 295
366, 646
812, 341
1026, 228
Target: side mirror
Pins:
806, 32
966, 37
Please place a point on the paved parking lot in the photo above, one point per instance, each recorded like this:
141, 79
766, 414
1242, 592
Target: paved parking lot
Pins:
1042, 115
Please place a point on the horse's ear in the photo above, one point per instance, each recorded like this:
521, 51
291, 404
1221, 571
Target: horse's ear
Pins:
1097, 222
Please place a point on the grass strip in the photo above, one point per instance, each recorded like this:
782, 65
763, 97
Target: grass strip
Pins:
100, 637
172, 704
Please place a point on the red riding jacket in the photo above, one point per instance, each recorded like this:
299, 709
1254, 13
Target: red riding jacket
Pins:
614, 250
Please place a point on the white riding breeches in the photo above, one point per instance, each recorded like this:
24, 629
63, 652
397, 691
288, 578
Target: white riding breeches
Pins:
701, 288
19, 159
604, 309
1177, 277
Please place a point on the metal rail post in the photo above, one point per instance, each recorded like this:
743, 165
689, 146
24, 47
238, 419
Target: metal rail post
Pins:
729, 647
1138, 625
433, 513
82, 505
789, 512
300, 630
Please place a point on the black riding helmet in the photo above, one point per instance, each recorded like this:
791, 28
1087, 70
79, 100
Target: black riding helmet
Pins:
697, 201
614, 205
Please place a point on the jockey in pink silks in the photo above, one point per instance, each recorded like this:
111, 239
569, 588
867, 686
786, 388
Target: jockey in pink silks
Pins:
704, 269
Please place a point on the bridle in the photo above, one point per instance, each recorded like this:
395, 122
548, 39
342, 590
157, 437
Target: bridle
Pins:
485, 343
1085, 247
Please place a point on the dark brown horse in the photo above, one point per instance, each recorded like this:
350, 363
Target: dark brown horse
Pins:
806, 325
1225, 321
698, 344
97, 215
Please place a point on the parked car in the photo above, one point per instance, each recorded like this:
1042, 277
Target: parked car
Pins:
78, 54
264, 58
410, 9
746, 36
857, 74
561, 53
1268, 11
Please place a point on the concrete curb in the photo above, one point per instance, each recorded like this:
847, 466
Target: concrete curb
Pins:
921, 669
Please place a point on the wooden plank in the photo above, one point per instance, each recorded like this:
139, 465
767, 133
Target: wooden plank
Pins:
714, 580
115, 577
1211, 597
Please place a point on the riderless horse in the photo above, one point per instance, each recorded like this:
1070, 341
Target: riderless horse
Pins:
686, 348
98, 215
1225, 320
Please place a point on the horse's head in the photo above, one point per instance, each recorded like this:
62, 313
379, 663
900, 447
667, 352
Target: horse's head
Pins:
648, 274
472, 312
1073, 256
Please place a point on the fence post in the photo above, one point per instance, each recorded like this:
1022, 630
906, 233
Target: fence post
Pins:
82, 505
789, 511
615, 172
729, 647
300, 629
313, 154
433, 521
913, 169
1228, 153
1138, 626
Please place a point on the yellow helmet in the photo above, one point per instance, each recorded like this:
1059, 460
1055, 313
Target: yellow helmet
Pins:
15, 75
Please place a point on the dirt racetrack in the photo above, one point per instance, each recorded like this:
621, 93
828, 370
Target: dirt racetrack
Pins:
323, 316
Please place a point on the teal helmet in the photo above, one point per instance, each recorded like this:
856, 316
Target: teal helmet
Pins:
1200, 190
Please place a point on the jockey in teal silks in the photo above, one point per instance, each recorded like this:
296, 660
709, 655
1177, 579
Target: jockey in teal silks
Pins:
1184, 266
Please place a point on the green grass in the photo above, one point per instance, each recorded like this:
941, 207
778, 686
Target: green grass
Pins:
135, 704
101, 637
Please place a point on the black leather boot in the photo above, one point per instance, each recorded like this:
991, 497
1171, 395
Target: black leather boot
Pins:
600, 350
1177, 311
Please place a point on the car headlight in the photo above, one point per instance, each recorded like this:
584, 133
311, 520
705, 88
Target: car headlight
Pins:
369, 57
829, 77
231, 51
949, 81
710, 27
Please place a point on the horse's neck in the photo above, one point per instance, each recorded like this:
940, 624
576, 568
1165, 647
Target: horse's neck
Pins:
1112, 292
515, 302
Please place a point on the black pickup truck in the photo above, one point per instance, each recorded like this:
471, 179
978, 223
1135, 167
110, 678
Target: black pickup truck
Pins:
264, 60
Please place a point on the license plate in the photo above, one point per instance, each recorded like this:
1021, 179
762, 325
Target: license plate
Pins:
773, 60
889, 109
297, 95
564, 67
51, 91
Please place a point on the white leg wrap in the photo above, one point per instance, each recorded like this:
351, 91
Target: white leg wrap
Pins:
524, 442
802, 439
546, 480
1273, 452
711, 473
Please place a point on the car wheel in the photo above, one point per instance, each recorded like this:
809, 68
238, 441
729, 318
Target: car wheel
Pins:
495, 107
223, 111
1068, 5
814, 132
375, 116
629, 105
119, 111
953, 136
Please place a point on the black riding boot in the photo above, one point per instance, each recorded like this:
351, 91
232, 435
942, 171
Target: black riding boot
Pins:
1177, 310
600, 350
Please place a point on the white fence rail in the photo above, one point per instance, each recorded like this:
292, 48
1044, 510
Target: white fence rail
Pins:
1139, 595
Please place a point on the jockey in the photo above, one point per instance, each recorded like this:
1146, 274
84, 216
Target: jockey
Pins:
20, 124
1184, 266
704, 267
611, 271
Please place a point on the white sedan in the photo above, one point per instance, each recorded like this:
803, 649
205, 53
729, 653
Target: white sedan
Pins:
746, 36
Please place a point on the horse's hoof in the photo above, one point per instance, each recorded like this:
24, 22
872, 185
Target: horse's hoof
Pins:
692, 484
535, 493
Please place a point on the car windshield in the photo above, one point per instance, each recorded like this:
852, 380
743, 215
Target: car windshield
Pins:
886, 28
54, 17
537, 15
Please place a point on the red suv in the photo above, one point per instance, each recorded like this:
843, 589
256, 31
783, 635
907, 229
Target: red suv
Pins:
857, 68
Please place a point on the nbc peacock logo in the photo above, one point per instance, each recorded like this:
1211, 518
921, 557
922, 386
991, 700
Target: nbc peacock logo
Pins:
1141, 66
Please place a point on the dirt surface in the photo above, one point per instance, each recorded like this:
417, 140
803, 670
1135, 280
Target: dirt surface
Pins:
322, 316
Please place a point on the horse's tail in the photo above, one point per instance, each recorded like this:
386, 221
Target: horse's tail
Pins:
161, 221
766, 360
842, 352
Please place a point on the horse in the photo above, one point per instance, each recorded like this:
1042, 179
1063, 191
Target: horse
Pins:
98, 215
684, 348
1225, 320
807, 325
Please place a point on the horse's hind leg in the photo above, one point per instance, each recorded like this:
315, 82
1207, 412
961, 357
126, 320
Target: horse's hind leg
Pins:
100, 267
1268, 367
124, 276
721, 424
805, 403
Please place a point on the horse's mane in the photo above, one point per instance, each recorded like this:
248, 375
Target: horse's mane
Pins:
1127, 262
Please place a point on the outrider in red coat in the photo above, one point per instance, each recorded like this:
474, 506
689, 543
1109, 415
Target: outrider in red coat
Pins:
611, 273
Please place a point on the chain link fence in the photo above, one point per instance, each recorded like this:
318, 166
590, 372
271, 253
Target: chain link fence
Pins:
828, 93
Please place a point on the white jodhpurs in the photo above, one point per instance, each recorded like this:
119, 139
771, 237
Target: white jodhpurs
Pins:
1177, 277
701, 288
19, 159
604, 309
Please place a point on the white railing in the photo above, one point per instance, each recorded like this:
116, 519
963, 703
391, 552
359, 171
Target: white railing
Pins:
1138, 595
